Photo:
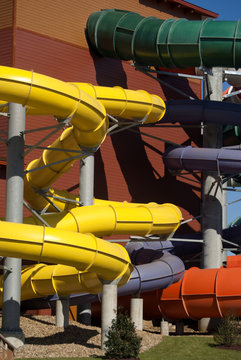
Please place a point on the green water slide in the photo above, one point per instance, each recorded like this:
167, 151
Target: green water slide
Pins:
167, 43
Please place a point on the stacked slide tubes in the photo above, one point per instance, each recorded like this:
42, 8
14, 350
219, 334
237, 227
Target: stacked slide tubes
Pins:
180, 44
159, 270
83, 259
199, 293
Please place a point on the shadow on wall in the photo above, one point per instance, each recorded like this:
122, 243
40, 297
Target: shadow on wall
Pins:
109, 72
144, 184
100, 186
182, 84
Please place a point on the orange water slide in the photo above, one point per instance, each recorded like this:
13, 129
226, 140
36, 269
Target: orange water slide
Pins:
200, 293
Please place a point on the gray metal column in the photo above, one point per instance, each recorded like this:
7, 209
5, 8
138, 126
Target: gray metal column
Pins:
108, 308
136, 312
62, 311
212, 210
14, 213
86, 180
86, 195
212, 207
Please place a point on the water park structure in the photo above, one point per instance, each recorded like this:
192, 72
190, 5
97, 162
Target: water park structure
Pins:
111, 140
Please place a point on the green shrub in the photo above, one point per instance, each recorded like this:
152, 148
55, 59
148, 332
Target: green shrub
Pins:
228, 331
122, 340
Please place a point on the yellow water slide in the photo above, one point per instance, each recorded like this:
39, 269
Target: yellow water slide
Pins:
92, 259
71, 238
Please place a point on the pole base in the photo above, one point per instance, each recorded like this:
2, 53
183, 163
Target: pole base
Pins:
16, 337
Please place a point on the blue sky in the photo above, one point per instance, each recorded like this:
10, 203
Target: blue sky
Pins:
227, 10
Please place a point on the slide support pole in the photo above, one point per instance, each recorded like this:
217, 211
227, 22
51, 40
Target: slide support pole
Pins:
164, 327
212, 187
14, 213
212, 207
137, 312
62, 311
86, 195
108, 308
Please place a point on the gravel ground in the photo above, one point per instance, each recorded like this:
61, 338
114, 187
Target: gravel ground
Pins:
44, 339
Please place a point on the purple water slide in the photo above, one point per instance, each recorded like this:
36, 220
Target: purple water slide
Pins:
197, 111
159, 270
225, 160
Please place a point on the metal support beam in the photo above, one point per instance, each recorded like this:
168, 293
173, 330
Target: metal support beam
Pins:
146, 72
14, 213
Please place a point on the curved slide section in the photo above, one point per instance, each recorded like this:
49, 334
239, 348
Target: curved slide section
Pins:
129, 219
167, 43
83, 252
199, 293
85, 259
159, 269
85, 105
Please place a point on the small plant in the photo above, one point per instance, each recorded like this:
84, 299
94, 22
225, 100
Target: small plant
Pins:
228, 331
122, 341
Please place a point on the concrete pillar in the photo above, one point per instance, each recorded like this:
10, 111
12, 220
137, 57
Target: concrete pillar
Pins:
86, 195
207, 324
137, 313
164, 328
212, 207
179, 327
62, 312
203, 324
86, 180
14, 213
108, 308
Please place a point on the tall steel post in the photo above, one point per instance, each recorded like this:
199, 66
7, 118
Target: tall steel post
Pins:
14, 213
86, 196
212, 207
